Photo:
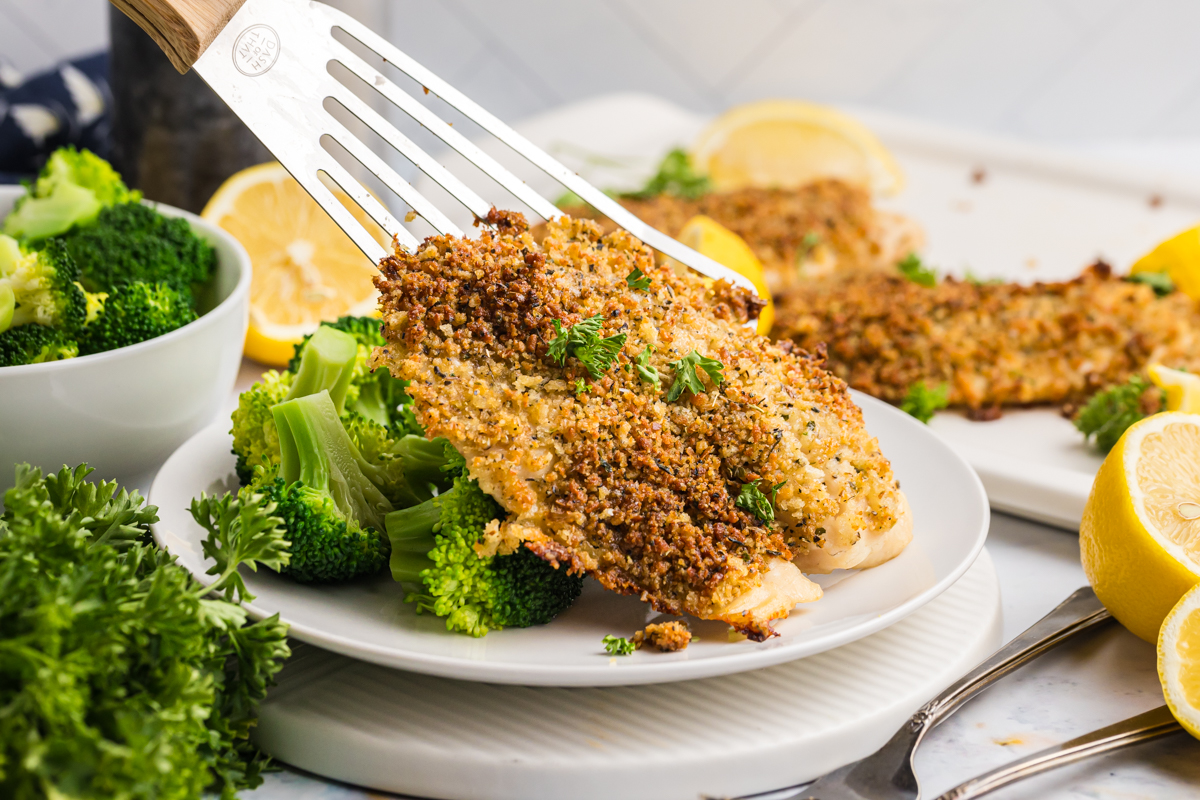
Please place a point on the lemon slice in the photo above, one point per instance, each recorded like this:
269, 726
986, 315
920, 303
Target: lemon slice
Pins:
1140, 534
789, 143
1179, 661
707, 236
305, 268
1182, 388
1179, 257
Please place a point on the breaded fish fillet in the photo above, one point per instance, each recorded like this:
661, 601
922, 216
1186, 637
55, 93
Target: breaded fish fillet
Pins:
819, 228
602, 475
994, 344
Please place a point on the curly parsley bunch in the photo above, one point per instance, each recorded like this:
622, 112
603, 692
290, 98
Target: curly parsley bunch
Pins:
121, 677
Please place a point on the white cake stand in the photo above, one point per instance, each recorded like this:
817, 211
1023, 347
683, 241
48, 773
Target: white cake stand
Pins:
751, 732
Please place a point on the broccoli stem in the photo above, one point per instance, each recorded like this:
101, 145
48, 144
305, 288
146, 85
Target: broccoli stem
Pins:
411, 531
8, 304
370, 402
316, 450
424, 462
327, 363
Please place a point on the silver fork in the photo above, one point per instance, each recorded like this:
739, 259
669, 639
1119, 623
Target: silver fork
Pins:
270, 61
888, 773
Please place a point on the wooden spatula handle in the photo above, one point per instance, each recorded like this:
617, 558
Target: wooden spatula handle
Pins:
182, 28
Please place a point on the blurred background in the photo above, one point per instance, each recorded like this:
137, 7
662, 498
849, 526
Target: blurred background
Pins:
1107, 74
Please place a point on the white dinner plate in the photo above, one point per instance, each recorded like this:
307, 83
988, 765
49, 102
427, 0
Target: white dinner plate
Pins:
993, 207
369, 619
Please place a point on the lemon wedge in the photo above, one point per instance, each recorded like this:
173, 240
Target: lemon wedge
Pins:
1179, 661
708, 237
789, 143
1140, 535
1182, 388
305, 268
1179, 258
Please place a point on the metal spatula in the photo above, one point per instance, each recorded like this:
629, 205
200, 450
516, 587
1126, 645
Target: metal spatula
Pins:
270, 61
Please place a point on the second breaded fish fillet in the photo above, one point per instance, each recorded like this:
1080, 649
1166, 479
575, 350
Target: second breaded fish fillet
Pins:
608, 472
820, 228
993, 344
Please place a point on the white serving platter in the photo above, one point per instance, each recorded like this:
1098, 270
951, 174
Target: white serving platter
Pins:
425, 736
991, 206
369, 620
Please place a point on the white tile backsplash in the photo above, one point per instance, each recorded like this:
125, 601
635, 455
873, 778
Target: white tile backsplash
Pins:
1054, 70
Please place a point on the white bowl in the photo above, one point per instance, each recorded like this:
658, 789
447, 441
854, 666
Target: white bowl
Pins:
124, 411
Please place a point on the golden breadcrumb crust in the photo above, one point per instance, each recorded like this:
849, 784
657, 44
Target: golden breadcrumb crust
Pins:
996, 345
665, 636
823, 226
613, 480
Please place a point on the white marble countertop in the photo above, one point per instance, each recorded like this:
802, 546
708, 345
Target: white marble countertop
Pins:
1093, 681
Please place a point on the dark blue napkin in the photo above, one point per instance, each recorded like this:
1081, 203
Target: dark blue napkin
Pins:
70, 104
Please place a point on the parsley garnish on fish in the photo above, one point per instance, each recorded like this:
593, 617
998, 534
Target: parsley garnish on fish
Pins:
922, 401
1160, 282
686, 378
807, 245
581, 387
915, 270
753, 500
637, 280
618, 645
647, 373
583, 341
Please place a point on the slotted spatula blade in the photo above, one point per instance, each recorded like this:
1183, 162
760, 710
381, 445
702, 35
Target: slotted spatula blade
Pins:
270, 61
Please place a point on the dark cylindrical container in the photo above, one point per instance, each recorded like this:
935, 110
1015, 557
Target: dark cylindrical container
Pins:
173, 138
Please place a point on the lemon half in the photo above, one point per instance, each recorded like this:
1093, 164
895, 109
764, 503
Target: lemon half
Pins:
1140, 535
306, 269
1178, 257
1182, 388
788, 143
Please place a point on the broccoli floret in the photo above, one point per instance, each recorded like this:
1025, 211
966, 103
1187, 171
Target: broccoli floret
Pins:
326, 366
255, 440
132, 242
334, 359
433, 545
33, 344
71, 190
1108, 414
41, 286
326, 494
134, 313
376, 395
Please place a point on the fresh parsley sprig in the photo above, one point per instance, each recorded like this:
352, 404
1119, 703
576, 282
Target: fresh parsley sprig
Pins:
242, 529
923, 401
1108, 414
582, 340
675, 176
915, 270
637, 280
686, 377
115, 657
753, 500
